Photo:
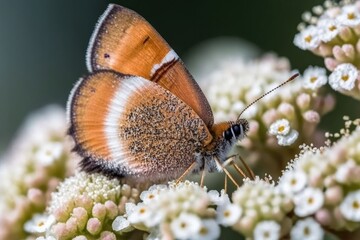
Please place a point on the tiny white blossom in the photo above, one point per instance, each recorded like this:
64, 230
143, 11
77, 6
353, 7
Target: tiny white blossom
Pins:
307, 229
308, 201
343, 172
309, 38
350, 16
121, 224
40, 223
343, 77
293, 181
228, 214
139, 214
185, 226
280, 127
49, 152
219, 199
331, 29
129, 208
314, 77
350, 206
267, 230
290, 138
209, 230
152, 193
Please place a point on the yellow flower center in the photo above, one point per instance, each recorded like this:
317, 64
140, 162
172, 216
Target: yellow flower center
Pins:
313, 79
204, 231
293, 181
310, 200
142, 210
351, 16
332, 28
308, 38
281, 128
226, 213
306, 231
183, 225
356, 205
40, 224
345, 78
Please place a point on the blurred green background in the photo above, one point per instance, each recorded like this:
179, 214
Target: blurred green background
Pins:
43, 44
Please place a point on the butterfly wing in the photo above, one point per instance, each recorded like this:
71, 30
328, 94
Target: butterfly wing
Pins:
128, 126
125, 42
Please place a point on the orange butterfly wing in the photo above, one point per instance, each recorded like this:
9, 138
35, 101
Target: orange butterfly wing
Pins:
128, 126
125, 42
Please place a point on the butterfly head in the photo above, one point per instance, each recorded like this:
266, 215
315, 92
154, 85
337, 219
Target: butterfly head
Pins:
236, 130
226, 134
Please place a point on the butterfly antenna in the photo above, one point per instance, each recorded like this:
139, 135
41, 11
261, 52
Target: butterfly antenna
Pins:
265, 94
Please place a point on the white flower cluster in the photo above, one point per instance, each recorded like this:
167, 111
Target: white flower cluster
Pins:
264, 210
324, 183
319, 190
31, 169
84, 207
235, 84
181, 210
333, 32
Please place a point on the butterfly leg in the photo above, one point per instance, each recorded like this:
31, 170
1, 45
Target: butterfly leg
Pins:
226, 172
185, 173
231, 160
202, 178
225, 183
248, 169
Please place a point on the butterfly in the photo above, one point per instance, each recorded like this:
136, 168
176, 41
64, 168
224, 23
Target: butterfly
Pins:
139, 114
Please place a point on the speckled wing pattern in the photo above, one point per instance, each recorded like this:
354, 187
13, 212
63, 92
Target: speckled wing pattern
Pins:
128, 126
125, 42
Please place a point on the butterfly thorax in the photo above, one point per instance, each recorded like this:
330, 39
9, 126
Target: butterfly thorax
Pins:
225, 135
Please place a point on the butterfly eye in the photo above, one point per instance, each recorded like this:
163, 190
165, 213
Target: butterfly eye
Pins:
237, 130
228, 134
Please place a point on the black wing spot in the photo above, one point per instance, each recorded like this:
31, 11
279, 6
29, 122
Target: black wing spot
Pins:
146, 39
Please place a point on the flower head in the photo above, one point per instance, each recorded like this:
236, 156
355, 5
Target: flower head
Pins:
261, 202
308, 38
293, 181
49, 152
284, 134
314, 77
280, 127
40, 223
350, 16
185, 226
267, 230
228, 214
350, 207
39, 157
307, 229
308, 201
209, 230
330, 29
343, 77
290, 138
182, 206
322, 177
90, 205
336, 28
